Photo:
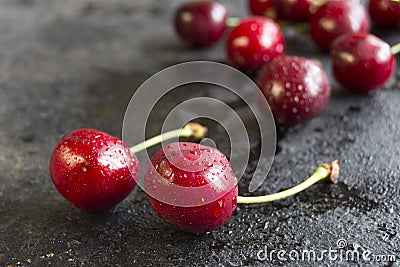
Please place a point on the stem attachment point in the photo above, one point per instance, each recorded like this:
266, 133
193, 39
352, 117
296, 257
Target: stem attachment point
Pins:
198, 131
334, 169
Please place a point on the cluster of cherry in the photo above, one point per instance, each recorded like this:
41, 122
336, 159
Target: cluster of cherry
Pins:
297, 89
192, 186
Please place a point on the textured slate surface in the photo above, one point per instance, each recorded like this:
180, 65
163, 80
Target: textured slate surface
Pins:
71, 64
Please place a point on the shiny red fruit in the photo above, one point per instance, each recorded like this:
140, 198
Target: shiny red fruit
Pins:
297, 89
362, 62
93, 170
191, 187
335, 18
254, 42
385, 14
262, 8
295, 10
201, 23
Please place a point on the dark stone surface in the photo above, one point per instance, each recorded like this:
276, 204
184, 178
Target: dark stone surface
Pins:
71, 64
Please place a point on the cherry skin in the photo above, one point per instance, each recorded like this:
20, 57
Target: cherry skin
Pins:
93, 170
201, 23
295, 11
362, 62
262, 8
384, 13
191, 187
297, 89
254, 42
335, 18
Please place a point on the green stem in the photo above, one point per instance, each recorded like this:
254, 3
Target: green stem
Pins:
190, 130
318, 3
395, 49
232, 21
330, 171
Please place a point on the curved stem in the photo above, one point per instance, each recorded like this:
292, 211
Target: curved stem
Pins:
190, 130
330, 171
395, 49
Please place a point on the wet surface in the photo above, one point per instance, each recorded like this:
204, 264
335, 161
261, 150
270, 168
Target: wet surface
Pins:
71, 64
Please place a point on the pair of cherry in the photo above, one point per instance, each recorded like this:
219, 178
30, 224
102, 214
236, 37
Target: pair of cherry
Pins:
95, 171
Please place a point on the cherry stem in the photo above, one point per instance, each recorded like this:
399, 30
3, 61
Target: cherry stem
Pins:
191, 129
330, 171
395, 49
318, 3
233, 21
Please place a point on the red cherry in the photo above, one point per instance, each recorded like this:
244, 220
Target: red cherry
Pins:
384, 13
335, 18
93, 170
254, 42
191, 186
295, 10
201, 23
297, 89
362, 62
262, 8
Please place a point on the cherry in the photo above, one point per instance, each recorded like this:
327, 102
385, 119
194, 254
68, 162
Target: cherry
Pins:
254, 42
192, 186
297, 89
385, 13
198, 179
93, 169
201, 23
262, 8
335, 18
295, 10
362, 62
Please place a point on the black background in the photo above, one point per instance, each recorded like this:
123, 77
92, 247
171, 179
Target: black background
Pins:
71, 64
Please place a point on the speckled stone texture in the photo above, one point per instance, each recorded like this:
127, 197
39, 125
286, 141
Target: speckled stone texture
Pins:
71, 64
